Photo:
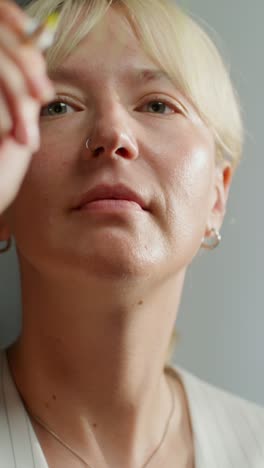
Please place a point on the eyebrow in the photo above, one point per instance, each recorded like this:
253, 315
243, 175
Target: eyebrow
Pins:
152, 75
143, 75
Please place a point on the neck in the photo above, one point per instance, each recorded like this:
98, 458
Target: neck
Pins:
104, 352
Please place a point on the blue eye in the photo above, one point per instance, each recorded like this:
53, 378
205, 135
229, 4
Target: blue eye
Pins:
55, 108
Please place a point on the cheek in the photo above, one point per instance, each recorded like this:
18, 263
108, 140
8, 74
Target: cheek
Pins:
186, 175
45, 181
44, 188
189, 198
51, 172
190, 177
186, 164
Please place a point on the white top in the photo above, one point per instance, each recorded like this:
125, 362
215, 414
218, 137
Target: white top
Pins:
228, 430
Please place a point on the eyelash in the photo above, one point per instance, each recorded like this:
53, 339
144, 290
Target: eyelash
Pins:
156, 99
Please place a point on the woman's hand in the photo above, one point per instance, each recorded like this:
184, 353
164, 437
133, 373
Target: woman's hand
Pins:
24, 88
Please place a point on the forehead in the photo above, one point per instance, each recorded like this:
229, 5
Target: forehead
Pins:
112, 38
117, 34
111, 45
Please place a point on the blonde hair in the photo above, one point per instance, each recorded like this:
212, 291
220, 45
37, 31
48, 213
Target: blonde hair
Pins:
177, 44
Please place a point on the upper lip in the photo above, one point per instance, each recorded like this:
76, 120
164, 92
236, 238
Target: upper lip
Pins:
117, 192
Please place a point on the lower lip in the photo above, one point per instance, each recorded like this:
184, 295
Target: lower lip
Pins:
107, 206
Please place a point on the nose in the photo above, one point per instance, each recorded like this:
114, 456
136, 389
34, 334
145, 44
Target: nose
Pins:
111, 137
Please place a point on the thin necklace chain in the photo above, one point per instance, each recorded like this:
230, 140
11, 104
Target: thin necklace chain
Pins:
47, 428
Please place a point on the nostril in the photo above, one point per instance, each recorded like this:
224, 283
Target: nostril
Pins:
122, 152
97, 151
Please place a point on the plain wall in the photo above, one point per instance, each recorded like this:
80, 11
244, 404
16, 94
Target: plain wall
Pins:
221, 317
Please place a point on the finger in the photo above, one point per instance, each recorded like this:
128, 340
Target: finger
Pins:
6, 122
14, 89
14, 163
12, 86
31, 63
15, 17
28, 127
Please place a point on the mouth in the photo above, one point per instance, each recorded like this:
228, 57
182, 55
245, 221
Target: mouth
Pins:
110, 206
105, 197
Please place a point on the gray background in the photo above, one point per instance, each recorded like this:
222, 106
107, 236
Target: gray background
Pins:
221, 319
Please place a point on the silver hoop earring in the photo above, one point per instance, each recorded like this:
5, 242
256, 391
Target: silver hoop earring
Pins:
211, 242
7, 246
87, 143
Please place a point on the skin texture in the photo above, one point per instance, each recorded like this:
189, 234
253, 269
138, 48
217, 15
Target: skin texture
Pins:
100, 292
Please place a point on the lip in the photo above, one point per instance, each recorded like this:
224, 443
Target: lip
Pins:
111, 192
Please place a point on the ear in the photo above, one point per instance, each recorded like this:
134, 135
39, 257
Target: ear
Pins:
223, 178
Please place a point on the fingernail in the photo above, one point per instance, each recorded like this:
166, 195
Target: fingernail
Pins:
31, 25
46, 39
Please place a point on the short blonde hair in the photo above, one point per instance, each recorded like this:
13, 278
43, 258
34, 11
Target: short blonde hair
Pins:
174, 41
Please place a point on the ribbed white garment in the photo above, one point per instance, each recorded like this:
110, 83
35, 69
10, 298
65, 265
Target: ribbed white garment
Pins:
228, 430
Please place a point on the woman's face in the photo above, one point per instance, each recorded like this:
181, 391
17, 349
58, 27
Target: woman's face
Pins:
144, 138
